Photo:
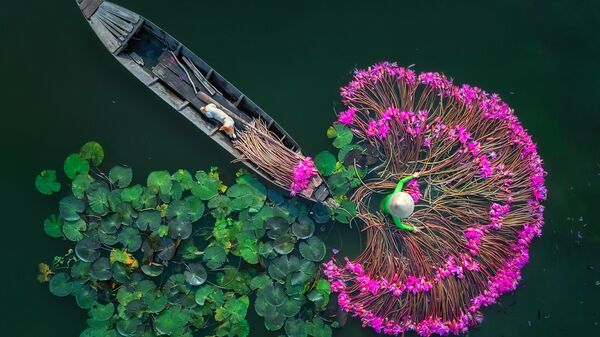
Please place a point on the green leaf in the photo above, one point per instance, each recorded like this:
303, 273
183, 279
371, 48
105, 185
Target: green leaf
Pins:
98, 198
273, 293
260, 191
206, 187
46, 182
184, 178
195, 275
59, 285
343, 136
242, 196
72, 229
325, 163
92, 152
81, 271
345, 212
70, 207
74, 165
101, 312
292, 306
85, 296
338, 184
317, 328
282, 266
220, 206
235, 310
259, 281
128, 327
284, 244
304, 228
214, 257
313, 249
120, 175
320, 213
130, 238
196, 207
87, 249
203, 293
234, 280
148, 220
52, 226
160, 182
276, 227
80, 184
101, 269
295, 327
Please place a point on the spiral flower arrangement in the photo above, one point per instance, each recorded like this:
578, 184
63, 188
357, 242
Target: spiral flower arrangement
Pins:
477, 183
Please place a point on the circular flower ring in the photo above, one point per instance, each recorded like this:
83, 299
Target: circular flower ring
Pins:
478, 186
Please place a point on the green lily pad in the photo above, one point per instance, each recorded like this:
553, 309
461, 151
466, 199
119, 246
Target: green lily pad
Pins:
132, 194
98, 198
273, 293
128, 327
282, 266
85, 296
70, 207
260, 191
306, 272
180, 229
101, 269
292, 306
120, 175
166, 249
120, 273
338, 184
92, 152
295, 328
214, 257
317, 328
304, 228
110, 223
220, 205
346, 212
184, 178
46, 182
274, 321
262, 307
75, 165
325, 163
101, 312
159, 182
81, 271
87, 249
276, 227
148, 220
155, 302
313, 249
60, 285
284, 244
80, 184
196, 207
206, 187
320, 213
73, 229
172, 320
242, 196
195, 275
52, 226
152, 270
259, 281
130, 238
343, 135
247, 249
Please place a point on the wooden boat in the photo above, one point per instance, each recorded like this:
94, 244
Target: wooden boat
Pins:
182, 79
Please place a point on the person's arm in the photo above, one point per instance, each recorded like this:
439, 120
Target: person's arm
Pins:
402, 225
403, 181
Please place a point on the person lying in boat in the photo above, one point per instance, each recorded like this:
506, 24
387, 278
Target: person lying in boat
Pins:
211, 111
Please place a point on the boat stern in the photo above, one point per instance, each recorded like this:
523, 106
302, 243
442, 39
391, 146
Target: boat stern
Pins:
113, 24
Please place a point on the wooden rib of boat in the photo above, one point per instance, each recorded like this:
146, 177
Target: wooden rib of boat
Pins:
182, 79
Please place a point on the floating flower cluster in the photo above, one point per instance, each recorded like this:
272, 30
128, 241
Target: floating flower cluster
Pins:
484, 183
304, 171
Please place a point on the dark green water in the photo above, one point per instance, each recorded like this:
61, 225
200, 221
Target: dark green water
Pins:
61, 88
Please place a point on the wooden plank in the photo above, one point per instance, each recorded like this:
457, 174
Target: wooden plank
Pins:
120, 12
110, 27
203, 81
88, 8
124, 26
136, 69
109, 40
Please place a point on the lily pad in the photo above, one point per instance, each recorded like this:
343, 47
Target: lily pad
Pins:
260, 191
128, 327
195, 275
306, 272
304, 227
132, 194
295, 327
274, 320
85, 296
172, 320
320, 213
60, 285
75, 165
196, 207
130, 238
242, 196
284, 244
273, 293
120, 273
148, 220
342, 134
87, 249
98, 198
52, 226
214, 257
259, 281
184, 178
346, 212
101, 269
70, 207
80, 184
152, 270
325, 162
292, 306
120, 175
180, 229
46, 182
317, 328
73, 229
276, 227
92, 152
206, 187
100, 312
159, 182
81, 271
313, 249
221, 206
282, 266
